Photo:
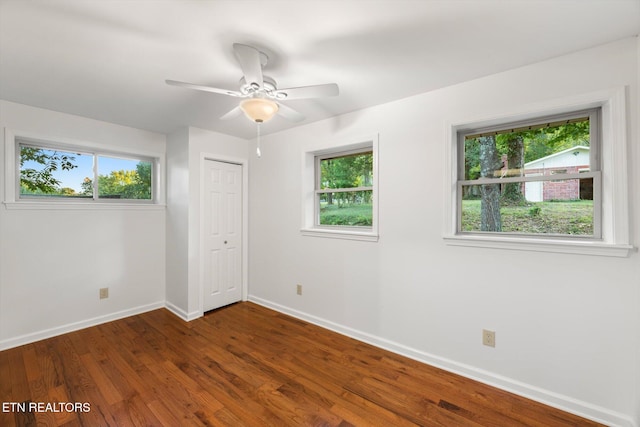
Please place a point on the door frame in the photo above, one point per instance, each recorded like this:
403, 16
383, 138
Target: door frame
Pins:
245, 223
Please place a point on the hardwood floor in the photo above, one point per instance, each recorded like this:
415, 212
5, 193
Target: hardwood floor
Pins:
242, 365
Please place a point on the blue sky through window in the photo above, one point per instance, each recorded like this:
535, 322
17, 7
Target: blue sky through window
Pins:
74, 178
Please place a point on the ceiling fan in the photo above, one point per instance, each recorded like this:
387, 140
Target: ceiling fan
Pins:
262, 98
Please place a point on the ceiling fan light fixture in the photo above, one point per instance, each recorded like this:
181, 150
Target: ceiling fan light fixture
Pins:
259, 110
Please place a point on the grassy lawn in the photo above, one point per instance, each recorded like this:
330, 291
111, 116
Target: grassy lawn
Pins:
565, 217
562, 217
347, 214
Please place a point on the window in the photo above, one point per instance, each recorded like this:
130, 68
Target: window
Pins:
124, 178
550, 178
344, 189
540, 177
49, 171
340, 191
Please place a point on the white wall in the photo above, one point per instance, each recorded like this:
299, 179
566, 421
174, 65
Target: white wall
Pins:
185, 150
635, 173
53, 262
177, 261
567, 326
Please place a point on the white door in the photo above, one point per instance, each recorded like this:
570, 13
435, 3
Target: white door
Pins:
222, 246
533, 189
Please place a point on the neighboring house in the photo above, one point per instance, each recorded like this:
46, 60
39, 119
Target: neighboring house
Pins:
571, 160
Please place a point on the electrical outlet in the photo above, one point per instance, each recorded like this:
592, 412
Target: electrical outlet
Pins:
488, 338
104, 293
299, 289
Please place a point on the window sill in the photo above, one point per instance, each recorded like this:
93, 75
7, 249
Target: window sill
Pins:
340, 234
539, 245
64, 205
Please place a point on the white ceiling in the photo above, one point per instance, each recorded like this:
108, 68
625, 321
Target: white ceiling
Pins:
108, 59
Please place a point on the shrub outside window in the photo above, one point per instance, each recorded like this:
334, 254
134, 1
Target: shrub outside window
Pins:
54, 172
538, 178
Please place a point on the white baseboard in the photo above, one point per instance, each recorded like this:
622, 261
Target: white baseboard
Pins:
70, 327
187, 317
556, 400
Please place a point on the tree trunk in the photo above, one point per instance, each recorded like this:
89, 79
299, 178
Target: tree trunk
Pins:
512, 193
490, 193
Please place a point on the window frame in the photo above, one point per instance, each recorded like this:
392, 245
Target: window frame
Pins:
595, 140
310, 185
615, 239
14, 200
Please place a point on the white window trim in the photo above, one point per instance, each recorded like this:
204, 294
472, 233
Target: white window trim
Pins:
309, 228
615, 199
13, 201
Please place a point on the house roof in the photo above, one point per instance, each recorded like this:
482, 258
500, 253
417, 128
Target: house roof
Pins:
577, 148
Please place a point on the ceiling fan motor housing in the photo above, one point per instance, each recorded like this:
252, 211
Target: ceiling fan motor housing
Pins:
269, 88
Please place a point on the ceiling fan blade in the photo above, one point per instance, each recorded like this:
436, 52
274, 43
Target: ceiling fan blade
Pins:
316, 91
289, 113
232, 114
249, 59
204, 88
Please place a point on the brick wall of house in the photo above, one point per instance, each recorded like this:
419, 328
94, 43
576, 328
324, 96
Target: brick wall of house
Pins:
559, 190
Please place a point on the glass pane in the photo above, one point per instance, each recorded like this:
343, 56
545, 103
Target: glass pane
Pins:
550, 207
351, 208
124, 178
559, 147
54, 173
353, 170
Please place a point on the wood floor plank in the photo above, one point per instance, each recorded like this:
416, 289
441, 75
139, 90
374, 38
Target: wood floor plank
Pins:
102, 380
49, 370
39, 393
59, 395
245, 365
18, 374
76, 380
6, 396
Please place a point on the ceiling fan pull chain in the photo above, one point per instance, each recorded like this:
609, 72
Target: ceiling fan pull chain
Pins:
258, 153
